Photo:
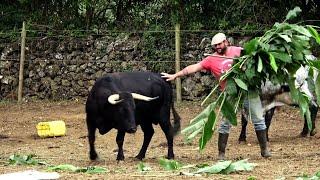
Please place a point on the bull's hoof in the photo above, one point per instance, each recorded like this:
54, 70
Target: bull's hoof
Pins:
241, 141
140, 157
170, 156
265, 154
221, 156
313, 132
303, 134
93, 156
120, 157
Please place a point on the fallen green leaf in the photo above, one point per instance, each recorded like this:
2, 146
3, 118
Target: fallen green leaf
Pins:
216, 168
17, 159
169, 164
227, 167
72, 168
143, 167
242, 165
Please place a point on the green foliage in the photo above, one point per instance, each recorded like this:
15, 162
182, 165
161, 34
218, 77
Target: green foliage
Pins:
198, 123
317, 88
169, 164
216, 168
316, 176
142, 167
251, 178
157, 47
275, 56
293, 13
242, 165
227, 167
208, 128
17, 159
221, 167
244, 17
72, 168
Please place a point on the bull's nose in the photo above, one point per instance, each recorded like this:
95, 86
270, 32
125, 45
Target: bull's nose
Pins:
132, 130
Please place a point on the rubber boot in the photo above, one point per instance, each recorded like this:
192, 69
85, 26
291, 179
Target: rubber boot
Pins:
222, 143
262, 138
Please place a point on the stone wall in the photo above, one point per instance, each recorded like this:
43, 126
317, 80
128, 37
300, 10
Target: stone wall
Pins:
66, 68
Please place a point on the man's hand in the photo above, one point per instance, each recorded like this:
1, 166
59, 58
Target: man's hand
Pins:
168, 77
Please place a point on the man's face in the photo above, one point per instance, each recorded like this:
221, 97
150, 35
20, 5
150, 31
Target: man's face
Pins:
221, 47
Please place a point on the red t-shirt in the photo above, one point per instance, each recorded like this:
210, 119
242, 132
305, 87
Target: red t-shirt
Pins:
218, 66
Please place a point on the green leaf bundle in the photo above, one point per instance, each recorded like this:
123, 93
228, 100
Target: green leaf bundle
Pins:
275, 56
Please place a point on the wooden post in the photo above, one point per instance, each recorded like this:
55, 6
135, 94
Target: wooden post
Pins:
178, 80
22, 58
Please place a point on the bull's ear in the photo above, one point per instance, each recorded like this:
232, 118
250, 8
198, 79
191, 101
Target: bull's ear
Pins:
114, 99
142, 97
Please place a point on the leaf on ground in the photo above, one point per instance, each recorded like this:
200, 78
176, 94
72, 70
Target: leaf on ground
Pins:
143, 167
242, 165
216, 168
227, 167
72, 168
17, 159
63, 167
169, 164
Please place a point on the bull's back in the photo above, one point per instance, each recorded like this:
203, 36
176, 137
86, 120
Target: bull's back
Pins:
145, 83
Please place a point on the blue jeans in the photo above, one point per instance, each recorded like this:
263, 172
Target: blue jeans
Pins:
254, 107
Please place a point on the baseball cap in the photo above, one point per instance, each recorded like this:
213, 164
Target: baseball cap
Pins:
218, 38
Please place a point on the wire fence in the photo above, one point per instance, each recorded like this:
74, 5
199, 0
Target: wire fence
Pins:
64, 64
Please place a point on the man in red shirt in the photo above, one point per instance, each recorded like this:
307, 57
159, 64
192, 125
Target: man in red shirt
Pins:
218, 64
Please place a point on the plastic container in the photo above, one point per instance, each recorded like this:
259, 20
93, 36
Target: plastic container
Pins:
51, 129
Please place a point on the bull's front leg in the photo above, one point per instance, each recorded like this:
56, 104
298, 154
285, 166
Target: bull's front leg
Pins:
92, 138
148, 132
120, 139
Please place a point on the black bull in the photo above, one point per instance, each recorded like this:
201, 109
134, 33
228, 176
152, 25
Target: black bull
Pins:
269, 112
125, 100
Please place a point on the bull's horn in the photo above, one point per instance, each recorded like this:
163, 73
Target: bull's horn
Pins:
142, 97
114, 99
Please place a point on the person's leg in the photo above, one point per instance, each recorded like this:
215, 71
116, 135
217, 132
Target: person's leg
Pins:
256, 114
224, 130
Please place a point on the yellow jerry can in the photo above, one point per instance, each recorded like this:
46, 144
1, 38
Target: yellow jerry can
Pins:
51, 129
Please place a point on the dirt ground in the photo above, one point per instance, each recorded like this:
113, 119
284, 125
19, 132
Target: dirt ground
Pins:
292, 156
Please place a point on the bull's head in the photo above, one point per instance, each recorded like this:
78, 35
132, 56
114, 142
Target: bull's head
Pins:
125, 109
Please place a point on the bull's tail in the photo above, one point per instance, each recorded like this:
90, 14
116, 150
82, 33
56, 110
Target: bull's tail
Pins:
169, 98
176, 120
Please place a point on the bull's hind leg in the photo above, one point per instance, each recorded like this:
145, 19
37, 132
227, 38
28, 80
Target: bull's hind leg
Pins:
167, 129
148, 132
268, 117
313, 110
120, 139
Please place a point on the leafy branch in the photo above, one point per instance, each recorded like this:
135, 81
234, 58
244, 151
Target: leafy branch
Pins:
275, 56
